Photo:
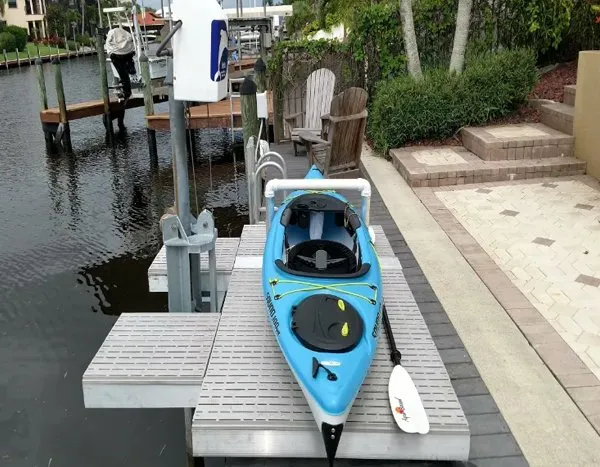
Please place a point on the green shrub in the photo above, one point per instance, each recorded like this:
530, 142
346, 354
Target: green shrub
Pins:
405, 110
84, 39
20, 35
72, 45
7, 42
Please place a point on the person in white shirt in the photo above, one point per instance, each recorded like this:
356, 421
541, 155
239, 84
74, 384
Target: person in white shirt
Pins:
120, 49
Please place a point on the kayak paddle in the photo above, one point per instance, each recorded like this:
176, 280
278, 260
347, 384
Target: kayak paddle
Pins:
405, 401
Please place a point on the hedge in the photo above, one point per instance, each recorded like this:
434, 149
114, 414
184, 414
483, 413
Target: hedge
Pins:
20, 35
405, 110
7, 42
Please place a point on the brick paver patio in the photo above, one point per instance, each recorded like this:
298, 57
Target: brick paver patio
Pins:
546, 238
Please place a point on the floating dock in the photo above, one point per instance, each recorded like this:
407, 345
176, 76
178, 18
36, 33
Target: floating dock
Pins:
247, 403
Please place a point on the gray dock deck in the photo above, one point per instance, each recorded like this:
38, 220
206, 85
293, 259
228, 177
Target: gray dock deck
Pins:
250, 405
491, 441
151, 360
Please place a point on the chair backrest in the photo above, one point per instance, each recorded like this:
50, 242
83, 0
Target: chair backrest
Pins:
347, 129
319, 92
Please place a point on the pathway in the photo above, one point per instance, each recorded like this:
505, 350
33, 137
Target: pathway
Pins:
546, 238
548, 426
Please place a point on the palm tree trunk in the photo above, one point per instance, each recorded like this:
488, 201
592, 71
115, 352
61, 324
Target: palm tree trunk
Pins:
461, 35
410, 39
82, 17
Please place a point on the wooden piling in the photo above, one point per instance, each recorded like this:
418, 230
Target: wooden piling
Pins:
37, 46
250, 124
148, 105
5, 58
65, 136
260, 75
261, 38
67, 47
39, 70
104, 83
276, 87
76, 49
28, 55
18, 58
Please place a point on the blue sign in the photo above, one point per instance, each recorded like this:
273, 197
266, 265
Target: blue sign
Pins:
218, 50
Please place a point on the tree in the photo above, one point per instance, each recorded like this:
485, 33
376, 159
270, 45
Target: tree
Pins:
461, 35
410, 39
82, 17
2, 6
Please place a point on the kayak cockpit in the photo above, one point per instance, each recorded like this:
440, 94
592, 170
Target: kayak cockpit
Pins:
320, 238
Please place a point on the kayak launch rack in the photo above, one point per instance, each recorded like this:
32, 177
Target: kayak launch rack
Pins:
358, 184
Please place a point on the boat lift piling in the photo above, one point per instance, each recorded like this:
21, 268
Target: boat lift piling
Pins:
148, 107
106, 118
62, 136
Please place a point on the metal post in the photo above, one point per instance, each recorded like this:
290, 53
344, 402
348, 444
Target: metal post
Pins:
65, 135
212, 280
148, 107
250, 124
188, 413
249, 151
18, 58
178, 280
39, 69
104, 83
180, 166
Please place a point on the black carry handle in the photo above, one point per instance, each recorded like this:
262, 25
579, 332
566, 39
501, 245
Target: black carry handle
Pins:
395, 355
159, 52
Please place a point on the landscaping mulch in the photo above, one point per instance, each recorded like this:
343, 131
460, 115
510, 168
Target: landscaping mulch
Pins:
552, 84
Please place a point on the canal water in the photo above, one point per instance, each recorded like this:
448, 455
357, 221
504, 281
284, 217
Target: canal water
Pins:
77, 234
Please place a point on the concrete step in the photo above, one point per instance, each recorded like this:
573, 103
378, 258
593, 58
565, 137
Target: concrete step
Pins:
570, 94
454, 165
558, 116
519, 141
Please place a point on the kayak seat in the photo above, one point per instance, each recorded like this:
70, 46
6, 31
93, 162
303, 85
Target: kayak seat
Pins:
326, 323
322, 256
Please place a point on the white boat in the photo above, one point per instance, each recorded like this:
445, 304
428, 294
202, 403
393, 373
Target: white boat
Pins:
126, 16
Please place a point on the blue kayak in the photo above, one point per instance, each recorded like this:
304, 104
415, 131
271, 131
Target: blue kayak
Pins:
323, 292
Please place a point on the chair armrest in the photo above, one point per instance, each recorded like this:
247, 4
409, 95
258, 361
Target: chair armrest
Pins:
347, 118
309, 137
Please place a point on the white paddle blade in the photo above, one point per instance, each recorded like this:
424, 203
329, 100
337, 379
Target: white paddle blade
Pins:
406, 404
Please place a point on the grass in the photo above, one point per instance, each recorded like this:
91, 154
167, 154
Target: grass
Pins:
44, 51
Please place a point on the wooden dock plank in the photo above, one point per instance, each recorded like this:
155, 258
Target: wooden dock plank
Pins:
213, 115
94, 108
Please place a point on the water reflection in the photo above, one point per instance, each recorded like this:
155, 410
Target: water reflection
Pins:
77, 234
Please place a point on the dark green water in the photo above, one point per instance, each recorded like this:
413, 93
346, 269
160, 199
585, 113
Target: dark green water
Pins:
77, 234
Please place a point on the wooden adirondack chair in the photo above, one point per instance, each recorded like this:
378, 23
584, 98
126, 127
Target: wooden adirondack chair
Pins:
338, 148
319, 92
